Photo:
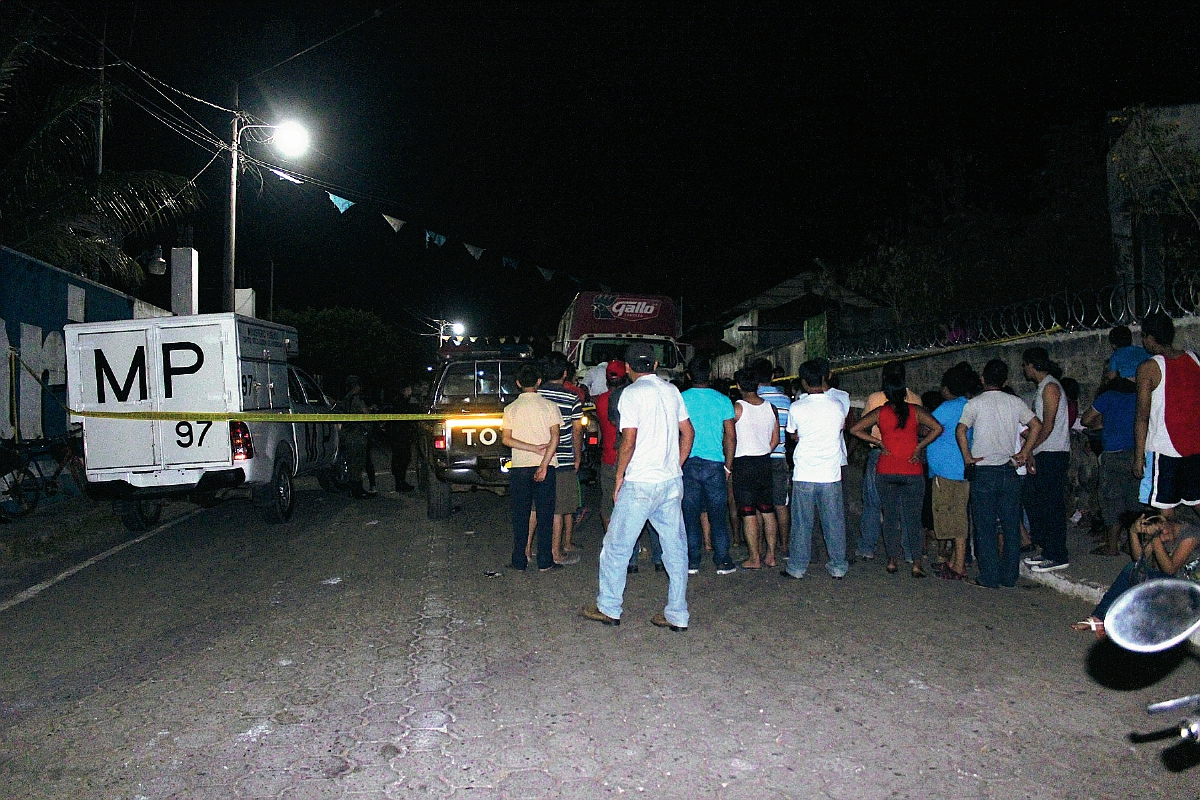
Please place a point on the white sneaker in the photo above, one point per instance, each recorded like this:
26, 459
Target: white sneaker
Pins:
1032, 561
1050, 566
726, 569
693, 570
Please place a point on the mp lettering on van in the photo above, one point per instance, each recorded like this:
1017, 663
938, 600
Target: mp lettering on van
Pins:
137, 370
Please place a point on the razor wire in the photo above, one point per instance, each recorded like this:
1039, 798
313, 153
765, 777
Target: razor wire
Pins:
1123, 303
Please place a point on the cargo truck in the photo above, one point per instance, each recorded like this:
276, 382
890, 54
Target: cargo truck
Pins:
598, 326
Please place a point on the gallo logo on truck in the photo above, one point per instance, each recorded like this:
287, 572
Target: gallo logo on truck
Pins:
629, 309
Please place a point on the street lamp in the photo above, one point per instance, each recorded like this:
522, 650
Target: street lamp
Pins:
450, 330
291, 139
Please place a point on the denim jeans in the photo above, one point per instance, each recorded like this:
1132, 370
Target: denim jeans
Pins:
1122, 584
826, 499
1044, 496
704, 490
636, 503
524, 494
869, 527
655, 546
996, 496
901, 496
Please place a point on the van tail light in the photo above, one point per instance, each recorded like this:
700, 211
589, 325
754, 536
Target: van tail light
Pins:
593, 439
240, 441
439, 442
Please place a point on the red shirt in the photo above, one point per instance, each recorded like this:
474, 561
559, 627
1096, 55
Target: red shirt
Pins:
900, 443
608, 431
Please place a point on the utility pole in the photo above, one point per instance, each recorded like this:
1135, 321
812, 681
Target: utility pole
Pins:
100, 103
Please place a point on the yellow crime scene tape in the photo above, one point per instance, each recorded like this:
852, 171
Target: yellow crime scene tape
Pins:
275, 416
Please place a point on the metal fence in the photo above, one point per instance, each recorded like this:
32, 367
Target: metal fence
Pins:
1123, 303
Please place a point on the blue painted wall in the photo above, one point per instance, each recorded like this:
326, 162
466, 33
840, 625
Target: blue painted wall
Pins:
36, 301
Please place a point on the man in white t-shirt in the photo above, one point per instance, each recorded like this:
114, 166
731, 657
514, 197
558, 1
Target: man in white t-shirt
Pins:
815, 422
656, 438
996, 418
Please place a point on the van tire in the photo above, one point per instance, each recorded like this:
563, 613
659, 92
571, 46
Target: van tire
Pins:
277, 500
437, 495
138, 516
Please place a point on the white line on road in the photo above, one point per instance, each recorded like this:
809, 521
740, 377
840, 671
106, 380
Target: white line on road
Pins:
34, 591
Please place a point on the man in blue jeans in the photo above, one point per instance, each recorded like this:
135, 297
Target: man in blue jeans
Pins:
656, 438
531, 427
995, 419
705, 471
815, 423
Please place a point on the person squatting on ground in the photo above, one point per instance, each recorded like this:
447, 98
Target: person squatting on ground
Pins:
950, 489
1166, 433
706, 470
870, 525
1161, 548
995, 419
815, 422
900, 474
757, 435
1044, 492
781, 474
530, 428
656, 439
568, 457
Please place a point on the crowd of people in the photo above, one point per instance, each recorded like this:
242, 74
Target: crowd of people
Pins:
991, 479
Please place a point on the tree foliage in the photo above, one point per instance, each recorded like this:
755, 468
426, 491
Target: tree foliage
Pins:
336, 342
53, 205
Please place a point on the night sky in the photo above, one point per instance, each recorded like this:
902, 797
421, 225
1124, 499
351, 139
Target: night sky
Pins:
703, 150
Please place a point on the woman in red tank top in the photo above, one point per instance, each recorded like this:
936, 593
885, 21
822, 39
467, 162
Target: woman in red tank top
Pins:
901, 472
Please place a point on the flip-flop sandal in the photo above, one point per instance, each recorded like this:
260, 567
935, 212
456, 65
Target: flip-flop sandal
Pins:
743, 565
1090, 624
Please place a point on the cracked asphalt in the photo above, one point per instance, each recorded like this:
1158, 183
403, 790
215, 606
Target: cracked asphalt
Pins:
365, 652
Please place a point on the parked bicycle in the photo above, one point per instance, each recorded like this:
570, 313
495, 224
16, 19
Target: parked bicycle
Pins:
23, 476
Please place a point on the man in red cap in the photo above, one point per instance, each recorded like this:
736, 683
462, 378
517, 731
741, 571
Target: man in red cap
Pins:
616, 379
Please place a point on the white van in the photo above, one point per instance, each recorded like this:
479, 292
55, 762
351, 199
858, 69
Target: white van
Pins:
205, 363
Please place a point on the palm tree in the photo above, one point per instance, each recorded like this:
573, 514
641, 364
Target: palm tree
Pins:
53, 205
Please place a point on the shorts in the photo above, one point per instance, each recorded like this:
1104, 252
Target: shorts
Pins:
608, 482
1118, 486
752, 485
566, 487
1174, 481
950, 502
781, 481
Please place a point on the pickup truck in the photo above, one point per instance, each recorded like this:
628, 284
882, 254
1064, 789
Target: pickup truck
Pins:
471, 389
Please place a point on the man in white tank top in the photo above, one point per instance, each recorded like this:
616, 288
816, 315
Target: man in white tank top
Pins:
756, 425
1044, 492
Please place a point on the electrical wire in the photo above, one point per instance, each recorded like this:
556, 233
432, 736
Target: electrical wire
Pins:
376, 15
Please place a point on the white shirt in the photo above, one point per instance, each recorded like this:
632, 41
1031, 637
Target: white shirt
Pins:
996, 418
817, 420
655, 408
754, 427
843, 400
596, 379
1059, 440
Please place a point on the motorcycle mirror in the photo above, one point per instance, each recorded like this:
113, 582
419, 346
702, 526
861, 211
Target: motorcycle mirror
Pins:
1155, 615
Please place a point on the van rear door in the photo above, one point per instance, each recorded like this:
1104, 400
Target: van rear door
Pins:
117, 373
193, 378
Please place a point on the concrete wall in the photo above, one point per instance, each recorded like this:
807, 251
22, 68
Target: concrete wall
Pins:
1082, 355
36, 301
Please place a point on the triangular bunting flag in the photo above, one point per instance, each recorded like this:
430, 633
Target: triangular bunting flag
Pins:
436, 238
396, 224
511, 263
546, 273
341, 202
283, 176
474, 251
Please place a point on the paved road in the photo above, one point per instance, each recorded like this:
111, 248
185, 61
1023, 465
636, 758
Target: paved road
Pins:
364, 652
